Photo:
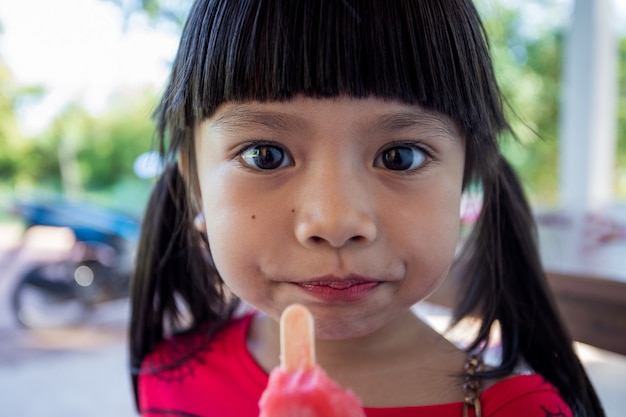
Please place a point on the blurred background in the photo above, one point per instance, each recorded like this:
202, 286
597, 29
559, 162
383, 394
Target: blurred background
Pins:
79, 80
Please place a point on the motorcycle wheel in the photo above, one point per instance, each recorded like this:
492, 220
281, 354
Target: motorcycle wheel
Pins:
46, 298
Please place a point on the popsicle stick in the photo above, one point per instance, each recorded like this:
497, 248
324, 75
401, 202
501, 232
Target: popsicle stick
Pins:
297, 339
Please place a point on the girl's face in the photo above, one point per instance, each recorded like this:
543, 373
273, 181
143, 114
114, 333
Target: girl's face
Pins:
348, 206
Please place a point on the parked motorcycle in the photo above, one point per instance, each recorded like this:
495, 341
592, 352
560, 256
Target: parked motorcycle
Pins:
96, 270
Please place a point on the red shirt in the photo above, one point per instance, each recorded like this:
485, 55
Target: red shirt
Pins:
223, 380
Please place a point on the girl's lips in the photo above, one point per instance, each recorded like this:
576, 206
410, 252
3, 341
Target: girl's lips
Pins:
339, 290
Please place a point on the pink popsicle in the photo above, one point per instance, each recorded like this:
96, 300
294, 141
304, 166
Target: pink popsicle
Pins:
299, 387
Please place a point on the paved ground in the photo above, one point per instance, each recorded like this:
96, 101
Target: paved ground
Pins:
71, 372
70, 383
82, 371
608, 374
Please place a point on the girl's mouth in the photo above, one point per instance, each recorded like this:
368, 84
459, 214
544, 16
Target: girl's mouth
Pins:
340, 290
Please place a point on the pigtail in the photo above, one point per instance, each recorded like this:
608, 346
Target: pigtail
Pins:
175, 286
502, 281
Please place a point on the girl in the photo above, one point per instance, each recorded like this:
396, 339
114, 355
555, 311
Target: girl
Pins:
319, 150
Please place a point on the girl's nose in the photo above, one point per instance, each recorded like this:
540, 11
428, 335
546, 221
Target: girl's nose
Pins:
335, 212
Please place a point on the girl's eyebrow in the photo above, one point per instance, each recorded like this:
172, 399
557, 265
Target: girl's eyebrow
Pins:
243, 117
394, 122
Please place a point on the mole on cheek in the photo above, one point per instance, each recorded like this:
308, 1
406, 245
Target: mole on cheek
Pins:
293, 210
253, 217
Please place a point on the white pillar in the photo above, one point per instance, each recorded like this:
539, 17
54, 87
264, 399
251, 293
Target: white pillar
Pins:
588, 114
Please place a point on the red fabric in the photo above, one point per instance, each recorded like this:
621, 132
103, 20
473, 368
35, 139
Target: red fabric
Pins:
224, 380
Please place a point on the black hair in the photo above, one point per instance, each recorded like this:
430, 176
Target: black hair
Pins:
433, 53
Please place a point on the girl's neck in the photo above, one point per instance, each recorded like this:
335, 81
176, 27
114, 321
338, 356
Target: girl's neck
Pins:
416, 364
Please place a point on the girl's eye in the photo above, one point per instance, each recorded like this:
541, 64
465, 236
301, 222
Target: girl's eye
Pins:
266, 157
401, 158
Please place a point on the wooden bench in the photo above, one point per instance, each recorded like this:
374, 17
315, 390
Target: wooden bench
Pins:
594, 309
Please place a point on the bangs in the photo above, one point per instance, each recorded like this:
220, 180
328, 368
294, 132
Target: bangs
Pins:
427, 52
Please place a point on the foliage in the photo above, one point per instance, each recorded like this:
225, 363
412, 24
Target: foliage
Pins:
528, 66
98, 151
14, 147
621, 123
528, 69
89, 157
10, 137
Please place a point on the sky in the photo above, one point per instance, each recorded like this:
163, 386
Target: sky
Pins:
78, 50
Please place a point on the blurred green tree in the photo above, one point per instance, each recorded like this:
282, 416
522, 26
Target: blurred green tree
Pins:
528, 68
15, 148
97, 152
528, 61
621, 123
10, 136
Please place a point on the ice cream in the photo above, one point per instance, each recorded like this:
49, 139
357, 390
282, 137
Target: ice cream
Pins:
299, 387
